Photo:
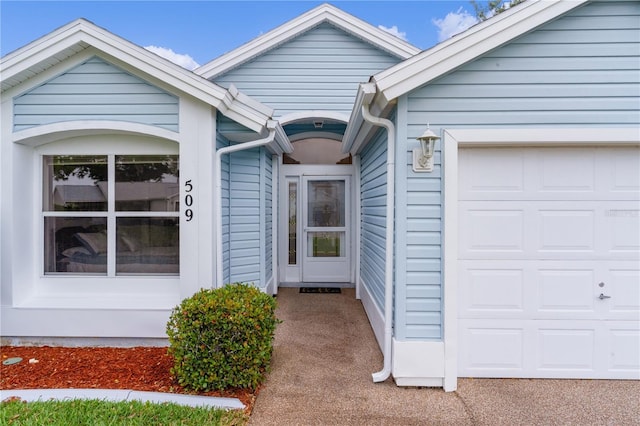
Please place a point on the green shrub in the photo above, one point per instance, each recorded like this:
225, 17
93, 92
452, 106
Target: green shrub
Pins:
222, 338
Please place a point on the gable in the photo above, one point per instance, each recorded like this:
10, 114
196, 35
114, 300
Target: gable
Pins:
317, 70
96, 90
582, 68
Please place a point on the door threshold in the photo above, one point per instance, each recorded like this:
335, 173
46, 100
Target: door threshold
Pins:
317, 284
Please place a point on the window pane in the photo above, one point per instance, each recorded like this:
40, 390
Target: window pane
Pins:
75, 245
147, 183
325, 244
293, 222
147, 245
326, 206
75, 183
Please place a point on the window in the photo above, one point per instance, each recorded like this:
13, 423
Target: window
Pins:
111, 215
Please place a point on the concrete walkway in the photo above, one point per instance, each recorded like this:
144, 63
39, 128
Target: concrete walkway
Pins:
325, 353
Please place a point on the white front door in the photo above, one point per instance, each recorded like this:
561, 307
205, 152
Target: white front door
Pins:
325, 235
316, 224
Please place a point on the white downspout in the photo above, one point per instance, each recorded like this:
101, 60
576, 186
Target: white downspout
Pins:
383, 374
218, 192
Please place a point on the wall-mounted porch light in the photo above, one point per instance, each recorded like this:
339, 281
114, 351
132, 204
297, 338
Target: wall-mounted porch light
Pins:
423, 156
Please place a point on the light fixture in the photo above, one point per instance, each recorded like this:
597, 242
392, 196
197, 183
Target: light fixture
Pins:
423, 156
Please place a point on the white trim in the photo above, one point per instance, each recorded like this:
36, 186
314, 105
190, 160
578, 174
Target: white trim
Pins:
376, 318
275, 190
357, 199
450, 261
490, 34
304, 22
311, 115
546, 136
483, 138
417, 363
48, 133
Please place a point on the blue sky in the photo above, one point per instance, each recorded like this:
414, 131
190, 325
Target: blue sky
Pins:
203, 30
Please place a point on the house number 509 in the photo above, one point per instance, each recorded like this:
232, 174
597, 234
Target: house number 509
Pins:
188, 200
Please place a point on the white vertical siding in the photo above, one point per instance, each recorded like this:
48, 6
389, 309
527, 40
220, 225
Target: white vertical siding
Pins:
373, 190
96, 90
580, 70
318, 70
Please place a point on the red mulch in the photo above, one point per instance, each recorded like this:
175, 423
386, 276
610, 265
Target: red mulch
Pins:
139, 368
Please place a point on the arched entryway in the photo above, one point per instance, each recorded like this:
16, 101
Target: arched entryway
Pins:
316, 207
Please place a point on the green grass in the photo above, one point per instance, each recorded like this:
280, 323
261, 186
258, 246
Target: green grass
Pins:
94, 412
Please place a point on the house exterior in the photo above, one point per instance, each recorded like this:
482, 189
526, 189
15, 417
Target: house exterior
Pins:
129, 183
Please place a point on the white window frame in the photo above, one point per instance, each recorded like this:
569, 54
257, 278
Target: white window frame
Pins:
80, 291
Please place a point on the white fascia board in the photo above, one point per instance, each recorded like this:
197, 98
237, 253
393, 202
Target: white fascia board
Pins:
521, 137
365, 90
306, 21
460, 49
235, 105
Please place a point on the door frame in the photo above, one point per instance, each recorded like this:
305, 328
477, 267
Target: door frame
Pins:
291, 275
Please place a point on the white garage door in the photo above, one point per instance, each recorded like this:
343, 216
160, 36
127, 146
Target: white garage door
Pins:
549, 262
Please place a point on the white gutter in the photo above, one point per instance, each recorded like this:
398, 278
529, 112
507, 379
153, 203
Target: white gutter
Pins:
383, 374
271, 125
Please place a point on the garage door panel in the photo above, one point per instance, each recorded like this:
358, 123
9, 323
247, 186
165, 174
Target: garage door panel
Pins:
560, 174
547, 230
493, 290
625, 172
493, 230
623, 226
623, 348
566, 230
565, 292
565, 171
530, 289
549, 262
623, 286
488, 347
566, 349
482, 180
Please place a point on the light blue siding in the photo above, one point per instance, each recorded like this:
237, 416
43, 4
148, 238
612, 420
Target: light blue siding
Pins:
318, 70
578, 71
373, 190
245, 251
220, 143
268, 205
96, 90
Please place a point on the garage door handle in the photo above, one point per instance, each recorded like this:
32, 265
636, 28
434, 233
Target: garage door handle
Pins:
602, 297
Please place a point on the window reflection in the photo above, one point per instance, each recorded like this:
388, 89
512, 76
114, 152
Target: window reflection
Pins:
147, 183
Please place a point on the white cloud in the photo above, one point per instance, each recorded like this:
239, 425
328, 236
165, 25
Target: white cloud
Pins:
454, 23
185, 61
394, 31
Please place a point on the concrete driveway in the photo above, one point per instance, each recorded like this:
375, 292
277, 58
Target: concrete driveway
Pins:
325, 353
